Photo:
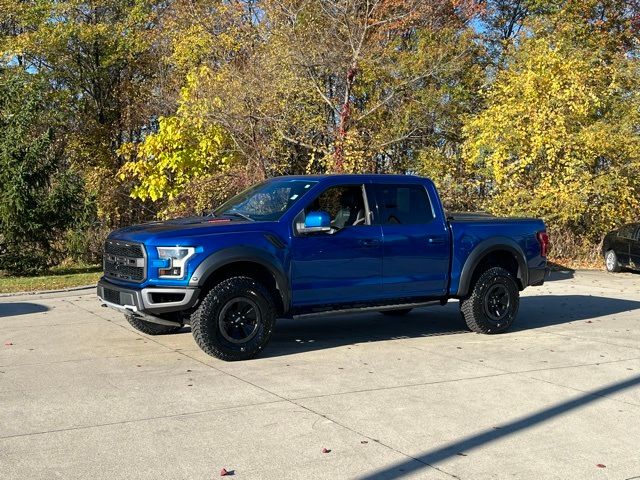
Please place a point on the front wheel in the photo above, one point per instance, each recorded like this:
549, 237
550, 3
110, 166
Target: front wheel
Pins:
235, 319
611, 262
493, 303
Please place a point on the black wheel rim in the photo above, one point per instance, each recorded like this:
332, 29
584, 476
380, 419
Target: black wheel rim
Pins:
239, 320
497, 302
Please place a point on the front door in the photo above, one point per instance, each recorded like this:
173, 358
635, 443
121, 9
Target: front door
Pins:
416, 242
343, 266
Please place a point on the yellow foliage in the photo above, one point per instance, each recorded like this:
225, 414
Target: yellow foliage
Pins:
185, 146
558, 138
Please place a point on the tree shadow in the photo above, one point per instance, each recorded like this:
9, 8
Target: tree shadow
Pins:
467, 444
296, 336
21, 308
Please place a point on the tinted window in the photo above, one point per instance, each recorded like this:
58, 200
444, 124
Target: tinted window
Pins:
403, 204
344, 204
626, 231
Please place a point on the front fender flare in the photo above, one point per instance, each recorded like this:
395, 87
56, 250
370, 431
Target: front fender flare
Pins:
219, 259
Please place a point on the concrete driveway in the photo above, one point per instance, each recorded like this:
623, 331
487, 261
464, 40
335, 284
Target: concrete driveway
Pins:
83, 396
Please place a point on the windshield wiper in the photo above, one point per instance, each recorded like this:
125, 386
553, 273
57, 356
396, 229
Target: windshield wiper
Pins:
238, 214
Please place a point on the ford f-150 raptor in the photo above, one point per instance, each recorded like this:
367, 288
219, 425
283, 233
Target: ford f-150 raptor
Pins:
307, 245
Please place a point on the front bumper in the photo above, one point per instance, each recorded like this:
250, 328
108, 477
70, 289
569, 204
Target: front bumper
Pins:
147, 303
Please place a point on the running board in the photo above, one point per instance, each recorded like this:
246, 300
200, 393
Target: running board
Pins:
378, 308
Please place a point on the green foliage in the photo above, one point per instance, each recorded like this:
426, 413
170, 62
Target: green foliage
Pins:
100, 59
39, 198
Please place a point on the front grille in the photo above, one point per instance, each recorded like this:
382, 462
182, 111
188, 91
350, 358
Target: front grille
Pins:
112, 296
123, 249
124, 261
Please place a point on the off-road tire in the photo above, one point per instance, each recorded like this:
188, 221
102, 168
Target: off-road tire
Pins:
150, 328
475, 307
611, 262
396, 313
206, 320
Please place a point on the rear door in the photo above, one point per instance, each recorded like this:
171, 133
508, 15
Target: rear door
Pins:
622, 242
416, 243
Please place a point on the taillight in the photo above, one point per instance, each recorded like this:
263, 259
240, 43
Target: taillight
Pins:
543, 240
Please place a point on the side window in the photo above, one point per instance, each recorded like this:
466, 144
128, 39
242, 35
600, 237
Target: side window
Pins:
404, 205
626, 231
344, 204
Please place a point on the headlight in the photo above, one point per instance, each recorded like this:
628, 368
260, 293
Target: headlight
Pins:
177, 259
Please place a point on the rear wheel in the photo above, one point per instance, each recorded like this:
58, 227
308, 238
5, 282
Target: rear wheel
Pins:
493, 303
235, 319
151, 328
611, 262
396, 313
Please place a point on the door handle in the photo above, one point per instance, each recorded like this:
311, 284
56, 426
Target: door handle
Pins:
370, 242
435, 240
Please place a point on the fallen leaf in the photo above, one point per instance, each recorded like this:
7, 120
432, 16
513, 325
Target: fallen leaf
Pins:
7, 343
224, 472
600, 465
363, 441
462, 454
325, 450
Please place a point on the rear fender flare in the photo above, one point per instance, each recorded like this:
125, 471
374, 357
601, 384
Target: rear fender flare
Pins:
481, 251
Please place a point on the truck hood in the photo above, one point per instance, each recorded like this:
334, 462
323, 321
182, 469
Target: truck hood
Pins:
179, 229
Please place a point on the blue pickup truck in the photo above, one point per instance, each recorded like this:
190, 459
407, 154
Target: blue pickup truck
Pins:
309, 245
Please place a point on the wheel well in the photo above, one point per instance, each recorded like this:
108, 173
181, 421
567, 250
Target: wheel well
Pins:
499, 258
254, 270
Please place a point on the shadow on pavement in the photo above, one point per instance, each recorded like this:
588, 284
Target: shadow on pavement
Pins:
562, 274
465, 445
546, 310
20, 308
296, 336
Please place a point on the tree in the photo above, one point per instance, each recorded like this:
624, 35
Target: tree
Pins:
100, 59
184, 147
295, 86
40, 198
559, 137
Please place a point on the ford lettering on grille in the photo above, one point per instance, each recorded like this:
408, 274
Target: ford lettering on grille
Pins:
124, 261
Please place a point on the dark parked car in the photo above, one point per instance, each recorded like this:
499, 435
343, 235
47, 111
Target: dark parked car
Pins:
621, 248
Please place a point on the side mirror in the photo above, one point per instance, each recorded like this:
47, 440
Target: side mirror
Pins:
316, 222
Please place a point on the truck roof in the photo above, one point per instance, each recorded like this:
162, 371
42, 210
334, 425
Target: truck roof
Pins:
348, 176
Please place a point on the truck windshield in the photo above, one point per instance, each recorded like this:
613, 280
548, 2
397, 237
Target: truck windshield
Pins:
265, 201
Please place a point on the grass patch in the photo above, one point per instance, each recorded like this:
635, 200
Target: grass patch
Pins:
57, 278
